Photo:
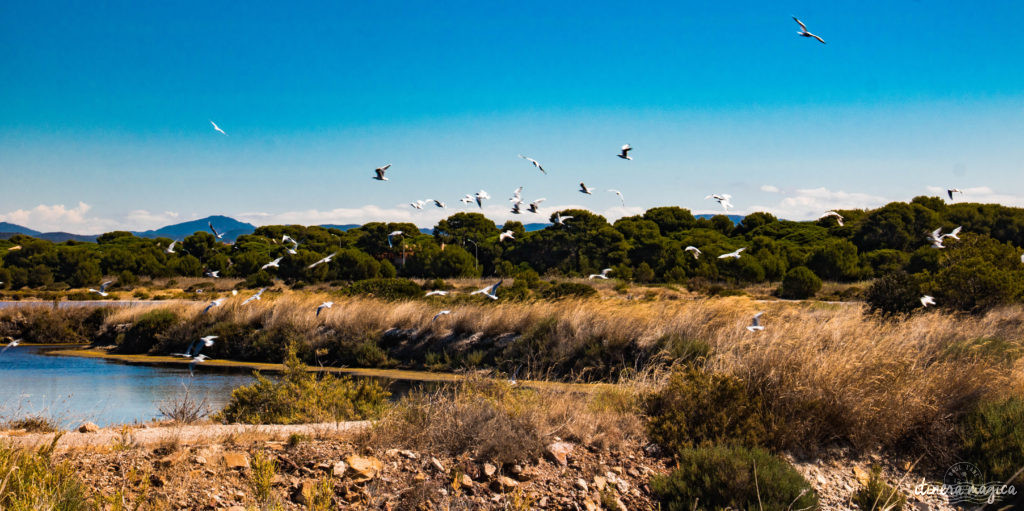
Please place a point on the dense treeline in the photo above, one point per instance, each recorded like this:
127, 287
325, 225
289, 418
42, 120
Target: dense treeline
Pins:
643, 248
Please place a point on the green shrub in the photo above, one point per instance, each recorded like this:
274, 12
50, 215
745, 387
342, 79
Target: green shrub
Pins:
569, 290
263, 468
878, 495
992, 438
300, 396
698, 408
259, 279
977, 274
387, 289
32, 480
799, 283
993, 350
895, 293
685, 349
734, 477
147, 331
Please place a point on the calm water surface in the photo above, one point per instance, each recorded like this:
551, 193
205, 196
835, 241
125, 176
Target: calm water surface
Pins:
73, 389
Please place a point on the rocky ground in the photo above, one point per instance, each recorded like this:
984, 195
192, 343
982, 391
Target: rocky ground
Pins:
209, 467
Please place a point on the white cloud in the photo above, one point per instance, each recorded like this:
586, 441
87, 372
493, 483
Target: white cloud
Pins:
805, 204
77, 220
770, 188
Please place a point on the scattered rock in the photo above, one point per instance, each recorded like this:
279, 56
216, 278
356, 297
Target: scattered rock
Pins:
502, 483
600, 483
582, 485
489, 470
201, 460
339, 469
235, 459
409, 455
88, 427
466, 481
559, 452
236, 508
364, 467
436, 463
862, 476
172, 459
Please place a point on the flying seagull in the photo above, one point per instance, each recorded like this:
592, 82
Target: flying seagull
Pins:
257, 296
951, 191
517, 195
439, 314
489, 291
693, 250
439, 204
213, 274
196, 360
512, 381
216, 303
733, 255
625, 152
272, 264
755, 324
393, 233
804, 33
480, 196
839, 218
534, 162
722, 199
507, 235
467, 199
288, 239
535, 205
621, 199
170, 248
603, 275
102, 291
325, 305
954, 233
560, 220
218, 128
10, 344
219, 235
584, 189
927, 300
380, 172
936, 238
322, 261
517, 208
437, 292
417, 204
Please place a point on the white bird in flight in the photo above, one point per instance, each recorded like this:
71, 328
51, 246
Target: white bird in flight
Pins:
480, 197
11, 344
603, 275
693, 250
927, 300
517, 208
489, 291
325, 305
219, 235
417, 204
218, 128
951, 191
439, 204
534, 162
380, 172
517, 195
839, 218
755, 324
467, 199
722, 199
257, 296
625, 152
437, 292
170, 248
733, 255
439, 314
560, 220
804, 33
288, 239
213, 274
102, 291
584, 189
276, 263
621, 199
322, 261
392, 234
535, 205
936, 238
507, 235
216, 303
954, 233
196, 360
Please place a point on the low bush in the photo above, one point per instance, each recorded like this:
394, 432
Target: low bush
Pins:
992, 438
696, 407
300, 396
569, 290
732, 477
33, 424
387, 289
799, 283
895, 293
30, 479
877, 495
146, 332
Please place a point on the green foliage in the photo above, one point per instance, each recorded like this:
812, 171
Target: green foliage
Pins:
993, 350
569, 290
300, 396
895, 293
978, 273
30, 480
992, 438
387, 289
147, 331
696, 407
263, 468
878, 495
799, 283
732, 477
685, 349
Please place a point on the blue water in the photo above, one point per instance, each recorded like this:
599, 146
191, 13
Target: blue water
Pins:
71, 390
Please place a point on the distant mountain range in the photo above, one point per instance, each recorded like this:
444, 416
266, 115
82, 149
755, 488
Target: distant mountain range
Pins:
231, 228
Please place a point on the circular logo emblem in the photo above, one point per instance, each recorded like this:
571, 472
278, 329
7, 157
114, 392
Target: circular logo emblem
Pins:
963, 472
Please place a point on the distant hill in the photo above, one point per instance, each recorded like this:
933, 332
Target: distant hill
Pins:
231, 228
8, 230
736, 219
534, 227
13, 229
340, 227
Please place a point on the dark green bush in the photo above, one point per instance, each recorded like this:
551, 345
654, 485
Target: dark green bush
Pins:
259, 279
895, 293
978, 273
799, 283
733, 477
300, 396
387, 289
878, 495
569, 290
992, 438
147, 331
697, 407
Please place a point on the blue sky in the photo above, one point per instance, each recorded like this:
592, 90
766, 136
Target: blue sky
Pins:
104, 118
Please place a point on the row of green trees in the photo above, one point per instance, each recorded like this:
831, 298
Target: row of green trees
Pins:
644, 248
